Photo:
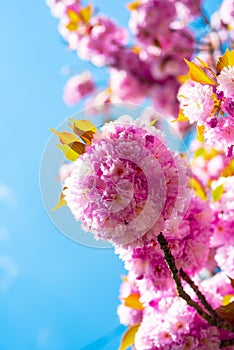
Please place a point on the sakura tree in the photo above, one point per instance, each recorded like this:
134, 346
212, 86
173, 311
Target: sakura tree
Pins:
170, 217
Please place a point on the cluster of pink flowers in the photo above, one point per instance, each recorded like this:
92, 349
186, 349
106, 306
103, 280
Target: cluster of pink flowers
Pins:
141, 69
210, 103
170, 221
189, 243
222, 23
167, 322
128, 186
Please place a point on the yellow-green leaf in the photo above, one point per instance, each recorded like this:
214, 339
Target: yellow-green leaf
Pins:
72, 151
181, 117
129, 337
200, 133
226, 60
200, 152
72, 27
217, 193
84, 129
226, 312
65, 137
153, 122
86, 13
197, 74
133, 301
61, 201
134, 5
73, 16
198, 188
227, 299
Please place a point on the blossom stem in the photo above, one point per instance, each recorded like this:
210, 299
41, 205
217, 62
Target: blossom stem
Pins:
212, 317
221, 323
226, 343
172, 267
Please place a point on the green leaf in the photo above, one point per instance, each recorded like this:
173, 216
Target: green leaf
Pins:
200, 152
72, 151
226, 60
217, 193
197, 74
129, 337
133, 301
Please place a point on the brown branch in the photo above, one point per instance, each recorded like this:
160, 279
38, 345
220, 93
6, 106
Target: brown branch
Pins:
172, 267
212, 317
221, 323
225, 343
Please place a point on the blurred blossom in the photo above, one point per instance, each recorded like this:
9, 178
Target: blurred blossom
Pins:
78, 87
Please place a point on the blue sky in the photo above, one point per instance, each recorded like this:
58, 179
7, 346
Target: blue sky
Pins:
54, 294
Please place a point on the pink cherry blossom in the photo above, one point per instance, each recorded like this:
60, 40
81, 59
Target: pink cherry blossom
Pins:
112, 188
78, 87
225, 80
196, 102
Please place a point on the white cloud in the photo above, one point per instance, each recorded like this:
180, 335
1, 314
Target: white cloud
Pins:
43, 336
7, 195
8, 272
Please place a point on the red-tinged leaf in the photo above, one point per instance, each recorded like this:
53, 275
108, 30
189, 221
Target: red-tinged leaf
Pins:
73, 16
65, 137
86, 13
133, 5
226, 60
84, 129
198, 188
197, 74
181, 117
217, 193
73, 150
129, 337
200, 133
72, 27
133, 301
61, 201
226, 312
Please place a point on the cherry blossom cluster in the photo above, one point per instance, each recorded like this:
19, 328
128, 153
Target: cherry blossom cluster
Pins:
169, 217
208, 101
128, 188
147, 66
